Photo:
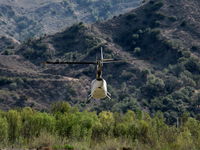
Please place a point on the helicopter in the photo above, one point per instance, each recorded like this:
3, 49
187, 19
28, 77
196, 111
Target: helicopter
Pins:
99, 85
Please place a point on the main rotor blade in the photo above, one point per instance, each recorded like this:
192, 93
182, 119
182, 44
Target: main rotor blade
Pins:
104, 61
68, 62
123, 60
112, 60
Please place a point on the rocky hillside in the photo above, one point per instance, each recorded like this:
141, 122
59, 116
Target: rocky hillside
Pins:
162, 33
23, 19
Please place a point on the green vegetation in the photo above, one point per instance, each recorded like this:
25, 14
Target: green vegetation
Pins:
64, 43
172, 90
65, 127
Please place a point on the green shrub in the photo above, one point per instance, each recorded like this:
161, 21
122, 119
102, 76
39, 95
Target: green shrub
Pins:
14, 125
157, 5
13, 85
69, 147
172, 18
135, 36
137, 50
8, 52
34, 123
3, 130
156, 23
193, 66
60, 107
159, 16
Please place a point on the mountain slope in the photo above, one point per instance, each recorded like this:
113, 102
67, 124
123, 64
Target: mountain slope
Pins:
23, 84
166, 78
24, 19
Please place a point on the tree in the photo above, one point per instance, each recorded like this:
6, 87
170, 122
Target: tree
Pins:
60, 107
154, 86
3, 130
107, 120
35, 122
14, 125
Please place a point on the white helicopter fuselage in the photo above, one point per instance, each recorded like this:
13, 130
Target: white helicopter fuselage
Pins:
99, 89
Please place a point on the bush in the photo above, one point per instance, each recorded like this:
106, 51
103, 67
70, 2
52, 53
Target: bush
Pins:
76, 125
3, 130
156, 23
107, 120
193, 66
135, 36
172, 18
8, 52
60, 107
137, 50
13, 85
183, 24
154, 86
35, 123
157, 5
159, 16
14, 125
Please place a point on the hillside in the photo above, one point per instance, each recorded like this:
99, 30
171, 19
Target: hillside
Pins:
24, 19
23, 84
169, 81
7, 43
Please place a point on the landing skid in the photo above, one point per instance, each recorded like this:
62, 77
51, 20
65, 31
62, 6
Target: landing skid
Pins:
90, 97
108, 97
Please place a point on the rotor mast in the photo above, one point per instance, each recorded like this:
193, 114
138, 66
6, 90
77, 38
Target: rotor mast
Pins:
100, 66
99, 70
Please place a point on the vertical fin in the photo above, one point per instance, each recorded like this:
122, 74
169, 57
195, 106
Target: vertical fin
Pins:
102, 54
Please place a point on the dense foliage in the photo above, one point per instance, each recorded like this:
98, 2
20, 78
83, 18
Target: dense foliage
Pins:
172, 87
66, 125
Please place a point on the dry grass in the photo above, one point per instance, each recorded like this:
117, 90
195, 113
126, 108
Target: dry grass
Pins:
46, 140
109, 144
